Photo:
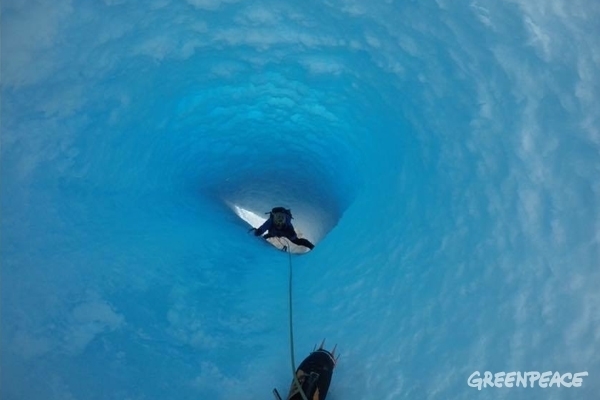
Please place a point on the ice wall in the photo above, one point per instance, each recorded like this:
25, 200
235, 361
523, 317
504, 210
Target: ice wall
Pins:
443, 156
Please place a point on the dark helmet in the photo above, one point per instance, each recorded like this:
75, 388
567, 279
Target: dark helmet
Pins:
281, 216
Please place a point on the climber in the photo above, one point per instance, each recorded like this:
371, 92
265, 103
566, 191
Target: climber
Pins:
279, 224
314, 376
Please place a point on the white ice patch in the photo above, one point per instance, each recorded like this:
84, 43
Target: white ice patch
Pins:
89, 320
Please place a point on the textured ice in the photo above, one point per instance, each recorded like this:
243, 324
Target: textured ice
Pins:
444, 156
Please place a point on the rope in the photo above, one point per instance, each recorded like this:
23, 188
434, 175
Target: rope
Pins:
287, 249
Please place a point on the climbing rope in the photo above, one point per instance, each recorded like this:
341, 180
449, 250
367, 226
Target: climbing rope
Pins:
287, 250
